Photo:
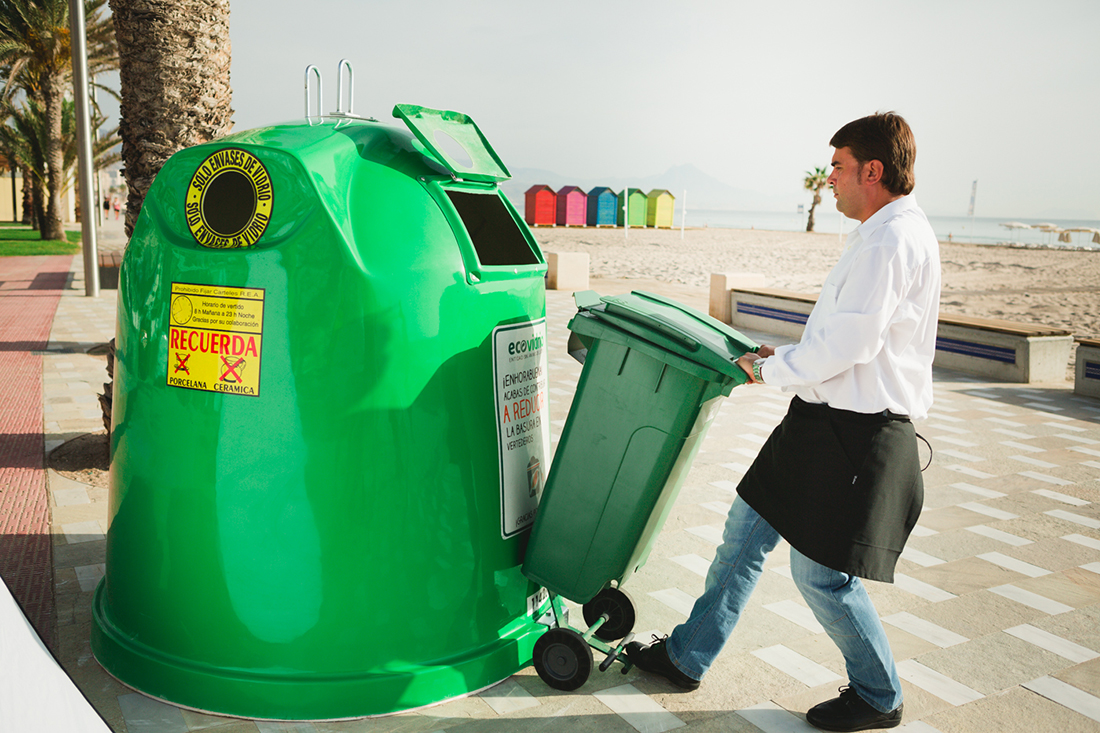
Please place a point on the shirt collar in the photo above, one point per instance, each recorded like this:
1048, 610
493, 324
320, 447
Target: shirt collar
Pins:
880, 217
886, 213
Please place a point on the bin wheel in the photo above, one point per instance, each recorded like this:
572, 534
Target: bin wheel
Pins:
619, 608
563, 659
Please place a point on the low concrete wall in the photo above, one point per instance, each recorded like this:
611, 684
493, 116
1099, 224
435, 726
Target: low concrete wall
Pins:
781, 312
1020, 355
566, 271
1001, 350
721, 283
1086, 379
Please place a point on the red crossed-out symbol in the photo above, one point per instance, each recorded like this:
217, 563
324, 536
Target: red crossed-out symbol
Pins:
231, 370
181, 363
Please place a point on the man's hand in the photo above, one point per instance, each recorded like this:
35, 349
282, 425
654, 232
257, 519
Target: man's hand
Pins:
746, 360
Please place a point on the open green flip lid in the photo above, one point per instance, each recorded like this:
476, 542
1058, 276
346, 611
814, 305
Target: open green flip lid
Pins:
670, 325
456, 141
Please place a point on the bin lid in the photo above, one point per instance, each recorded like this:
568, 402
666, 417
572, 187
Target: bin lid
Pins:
672, 326
455, 139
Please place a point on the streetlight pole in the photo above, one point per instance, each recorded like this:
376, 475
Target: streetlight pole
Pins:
84, 146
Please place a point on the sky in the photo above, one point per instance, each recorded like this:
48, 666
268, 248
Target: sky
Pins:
1004, 92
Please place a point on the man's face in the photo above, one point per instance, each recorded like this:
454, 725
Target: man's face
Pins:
845, 181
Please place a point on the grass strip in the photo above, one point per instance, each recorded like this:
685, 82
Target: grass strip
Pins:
17, 240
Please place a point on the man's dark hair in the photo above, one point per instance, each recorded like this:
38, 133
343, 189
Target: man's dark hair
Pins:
884, 137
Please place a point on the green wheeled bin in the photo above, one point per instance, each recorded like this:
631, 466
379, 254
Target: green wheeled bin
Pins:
655, 372
318, 508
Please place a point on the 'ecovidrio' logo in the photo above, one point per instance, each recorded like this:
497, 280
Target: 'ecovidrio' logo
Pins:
229, 200
523, 346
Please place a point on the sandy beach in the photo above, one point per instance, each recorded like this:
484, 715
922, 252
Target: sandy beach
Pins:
1052, 287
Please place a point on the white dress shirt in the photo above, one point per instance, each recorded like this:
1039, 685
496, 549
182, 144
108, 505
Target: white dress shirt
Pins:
870, 339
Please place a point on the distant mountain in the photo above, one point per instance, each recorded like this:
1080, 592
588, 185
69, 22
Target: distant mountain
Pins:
703, 190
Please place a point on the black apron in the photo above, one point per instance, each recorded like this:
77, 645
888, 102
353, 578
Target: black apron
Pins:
843, 488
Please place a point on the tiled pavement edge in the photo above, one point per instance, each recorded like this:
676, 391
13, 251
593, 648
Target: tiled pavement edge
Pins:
30, 288
995, 618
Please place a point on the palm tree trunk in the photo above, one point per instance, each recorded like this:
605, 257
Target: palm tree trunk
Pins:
174, 71
38, 207
174, 77
28, 199
817, 199
55, 159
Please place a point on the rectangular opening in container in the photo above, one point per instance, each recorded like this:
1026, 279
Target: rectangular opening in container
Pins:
496, 236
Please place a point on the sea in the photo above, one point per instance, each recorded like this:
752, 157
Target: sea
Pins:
976, 230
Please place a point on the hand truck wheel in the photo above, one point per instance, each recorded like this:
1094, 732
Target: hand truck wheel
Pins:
620, 613
563, 659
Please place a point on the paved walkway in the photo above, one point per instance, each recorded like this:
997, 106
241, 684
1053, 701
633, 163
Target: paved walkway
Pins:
30, 288
995, 618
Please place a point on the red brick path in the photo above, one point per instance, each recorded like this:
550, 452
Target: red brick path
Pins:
30, 288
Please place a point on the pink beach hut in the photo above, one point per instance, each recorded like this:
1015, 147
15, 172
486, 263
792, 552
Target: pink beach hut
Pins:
572, 207
539, 206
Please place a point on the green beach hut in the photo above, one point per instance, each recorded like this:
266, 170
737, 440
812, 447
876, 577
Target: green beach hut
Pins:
661, 204
638, 207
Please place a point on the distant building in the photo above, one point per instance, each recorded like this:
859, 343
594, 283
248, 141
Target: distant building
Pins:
601, 207
661, 204
540, 206
638, 207
11, 192
572, 207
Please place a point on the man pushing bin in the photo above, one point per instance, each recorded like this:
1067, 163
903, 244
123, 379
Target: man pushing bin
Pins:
839, 478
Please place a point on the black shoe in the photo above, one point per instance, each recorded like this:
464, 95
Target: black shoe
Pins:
849, 712
654, 658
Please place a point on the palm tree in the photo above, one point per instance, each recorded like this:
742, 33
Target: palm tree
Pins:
174, 73
24, 140
815, 181
36, 53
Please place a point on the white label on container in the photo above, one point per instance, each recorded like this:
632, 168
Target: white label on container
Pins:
535, 601
523, 425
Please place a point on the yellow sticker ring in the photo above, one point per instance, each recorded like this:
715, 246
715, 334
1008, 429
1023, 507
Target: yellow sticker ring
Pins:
229, 200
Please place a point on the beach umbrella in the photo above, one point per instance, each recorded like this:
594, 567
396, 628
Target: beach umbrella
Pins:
1088, 230
1046, 227
1014, 225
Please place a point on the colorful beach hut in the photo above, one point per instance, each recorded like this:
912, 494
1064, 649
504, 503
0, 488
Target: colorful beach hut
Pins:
572, 207
661, 204
540, 206
601, 207
638, 207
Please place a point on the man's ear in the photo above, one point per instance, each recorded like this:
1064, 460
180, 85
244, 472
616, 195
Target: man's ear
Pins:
872, 171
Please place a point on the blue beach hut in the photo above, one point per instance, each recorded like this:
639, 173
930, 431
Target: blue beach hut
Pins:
601, 207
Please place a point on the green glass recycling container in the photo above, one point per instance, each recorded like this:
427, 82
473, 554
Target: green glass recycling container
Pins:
329, 424
655, 373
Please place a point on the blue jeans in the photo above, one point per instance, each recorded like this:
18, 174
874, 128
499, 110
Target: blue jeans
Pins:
839, 602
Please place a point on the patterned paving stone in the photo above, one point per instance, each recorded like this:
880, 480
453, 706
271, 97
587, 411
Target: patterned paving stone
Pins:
972, 651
